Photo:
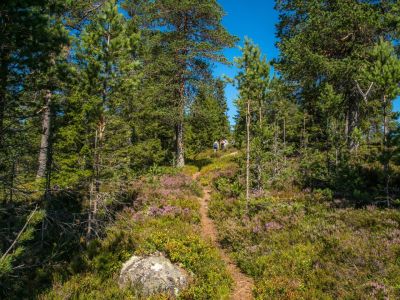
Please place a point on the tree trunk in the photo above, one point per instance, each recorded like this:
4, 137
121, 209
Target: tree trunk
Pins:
276, 136
13, 170
304, 133
180, 157
248, 156
385, 148
90, 214
284, 139
347, 128
95, 184
3, 87
259, 166
351, 124
180, 151
45, 140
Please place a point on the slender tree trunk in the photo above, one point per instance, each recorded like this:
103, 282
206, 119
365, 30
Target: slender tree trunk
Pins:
304, 133
276, 136
95, 184
45, 140
347, 127
248, 156
284, 132
90, 214
385, 148
180, 157
179, 127
259, 160
179, 130
356, 143
13, 170
284, 138
3, 87
98, 146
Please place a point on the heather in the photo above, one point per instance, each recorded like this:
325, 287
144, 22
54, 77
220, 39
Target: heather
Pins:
308, 246
164, 218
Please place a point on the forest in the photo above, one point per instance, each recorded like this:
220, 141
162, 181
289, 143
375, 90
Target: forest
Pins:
109, 112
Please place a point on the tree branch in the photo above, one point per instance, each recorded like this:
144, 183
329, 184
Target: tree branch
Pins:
19, 234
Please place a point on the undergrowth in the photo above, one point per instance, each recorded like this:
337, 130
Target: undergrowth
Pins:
302, 246
163, 218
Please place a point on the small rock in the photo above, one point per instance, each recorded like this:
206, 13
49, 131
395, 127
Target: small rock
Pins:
153, 275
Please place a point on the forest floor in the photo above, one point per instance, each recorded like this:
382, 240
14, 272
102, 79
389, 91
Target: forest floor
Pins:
285, 245
243, 285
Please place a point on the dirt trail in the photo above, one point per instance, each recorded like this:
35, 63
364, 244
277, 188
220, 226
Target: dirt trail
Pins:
243, 285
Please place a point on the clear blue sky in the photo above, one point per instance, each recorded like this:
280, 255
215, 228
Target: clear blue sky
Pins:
255, 19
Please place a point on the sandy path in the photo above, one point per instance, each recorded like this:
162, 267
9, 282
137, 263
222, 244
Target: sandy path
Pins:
243, 285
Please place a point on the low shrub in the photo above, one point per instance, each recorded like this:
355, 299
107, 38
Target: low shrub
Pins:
305, 249
161, 222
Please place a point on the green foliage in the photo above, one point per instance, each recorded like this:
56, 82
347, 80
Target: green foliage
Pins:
310, 246
304, 249
166, 220
180, 51
107, 72
90, 286
208, 121
125, 77
343, 81
25, 227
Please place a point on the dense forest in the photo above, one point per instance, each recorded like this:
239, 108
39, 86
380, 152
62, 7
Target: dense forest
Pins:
108, 115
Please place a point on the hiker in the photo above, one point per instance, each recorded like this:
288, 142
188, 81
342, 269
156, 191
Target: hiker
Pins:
216, 146
222, 143
225, 144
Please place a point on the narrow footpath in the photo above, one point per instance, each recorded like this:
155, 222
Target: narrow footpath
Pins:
243, 285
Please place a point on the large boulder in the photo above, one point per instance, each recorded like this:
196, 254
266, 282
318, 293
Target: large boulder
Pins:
153, 275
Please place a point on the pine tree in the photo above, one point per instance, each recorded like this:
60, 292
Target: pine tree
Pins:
190, 36
384, 72
94, 143
252, 82
328, 43
325, 51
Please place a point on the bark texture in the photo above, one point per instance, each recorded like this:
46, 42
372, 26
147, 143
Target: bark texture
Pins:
45, 139
180, 157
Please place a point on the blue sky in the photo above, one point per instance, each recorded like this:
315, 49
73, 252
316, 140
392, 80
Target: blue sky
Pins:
255, 19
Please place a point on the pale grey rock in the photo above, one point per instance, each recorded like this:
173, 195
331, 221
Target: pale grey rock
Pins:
153, 275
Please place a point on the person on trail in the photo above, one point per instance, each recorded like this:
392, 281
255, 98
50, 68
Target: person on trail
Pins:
222, 143
225, 141
216, 146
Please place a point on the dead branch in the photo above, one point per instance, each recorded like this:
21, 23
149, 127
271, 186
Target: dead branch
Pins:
19, 234
364, 94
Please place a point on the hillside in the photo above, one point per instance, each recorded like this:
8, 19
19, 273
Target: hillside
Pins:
133, 167
289, 245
